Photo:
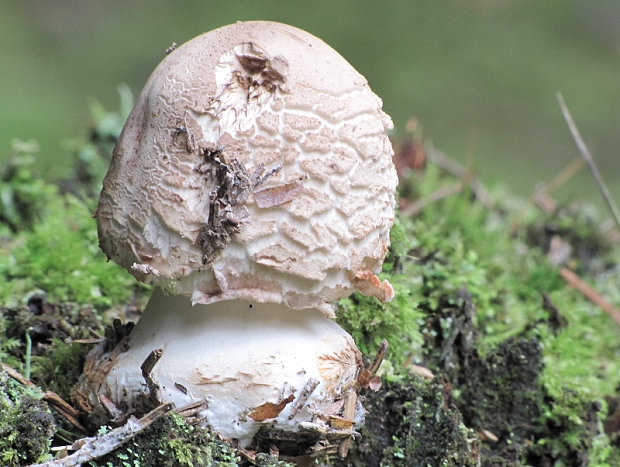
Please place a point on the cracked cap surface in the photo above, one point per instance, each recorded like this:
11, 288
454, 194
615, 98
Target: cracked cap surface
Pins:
254, 165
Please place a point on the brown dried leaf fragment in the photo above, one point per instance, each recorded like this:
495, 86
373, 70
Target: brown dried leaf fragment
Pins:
269, 410
340, 423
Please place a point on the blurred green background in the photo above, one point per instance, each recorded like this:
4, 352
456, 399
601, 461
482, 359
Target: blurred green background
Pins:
480, 75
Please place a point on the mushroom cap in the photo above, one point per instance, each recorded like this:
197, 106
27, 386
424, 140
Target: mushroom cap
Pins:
254, 165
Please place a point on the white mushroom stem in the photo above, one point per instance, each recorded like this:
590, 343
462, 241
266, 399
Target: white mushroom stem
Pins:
250, 361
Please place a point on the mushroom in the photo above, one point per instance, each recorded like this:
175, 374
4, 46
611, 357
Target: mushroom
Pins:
253, 184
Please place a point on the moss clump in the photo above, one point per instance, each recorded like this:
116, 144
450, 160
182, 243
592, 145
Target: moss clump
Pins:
46, 322
59, 370
414, 422
268, 460
494, 309
60, 256
48, 237
22, 194
570, 433
171, 442
499, 391
451, 337
26, 424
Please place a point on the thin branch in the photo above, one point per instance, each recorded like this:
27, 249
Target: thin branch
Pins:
64, 409
456, 169
191, 412
591, 294
565, 175
92, 448
192, 409
379, 356
366, 376
16, 375
308, 389
54, 400
146, 367
585, 152
541, 196
415, 207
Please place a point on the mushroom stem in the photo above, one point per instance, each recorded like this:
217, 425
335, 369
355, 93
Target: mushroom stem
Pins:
251, 362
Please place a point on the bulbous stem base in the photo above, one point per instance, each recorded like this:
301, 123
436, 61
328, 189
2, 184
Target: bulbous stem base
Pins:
254, 364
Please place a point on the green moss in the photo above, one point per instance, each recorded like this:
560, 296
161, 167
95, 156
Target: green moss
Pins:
59, 370
49, 238
571, 434
170, 442
267, 460
502, 394
61, 257
469, 305
26, 424
370, 321
460, 247
22, 193
579, 226
480, 283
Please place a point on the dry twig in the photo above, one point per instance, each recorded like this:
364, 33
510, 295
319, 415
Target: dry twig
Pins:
541, 196
366, 377
418, 205
303, 397
16, 376
191, 412
146, 367
92, 448
54, 400
585, 152
565, 175
456, 169
591, 294
379, 356
350, 401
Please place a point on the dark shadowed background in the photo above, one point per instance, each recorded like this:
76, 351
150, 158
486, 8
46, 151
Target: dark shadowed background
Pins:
479, 75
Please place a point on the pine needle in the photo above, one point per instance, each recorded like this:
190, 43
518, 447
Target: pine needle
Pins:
585, 153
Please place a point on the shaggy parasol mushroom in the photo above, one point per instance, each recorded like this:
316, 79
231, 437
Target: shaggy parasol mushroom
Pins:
253, 182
